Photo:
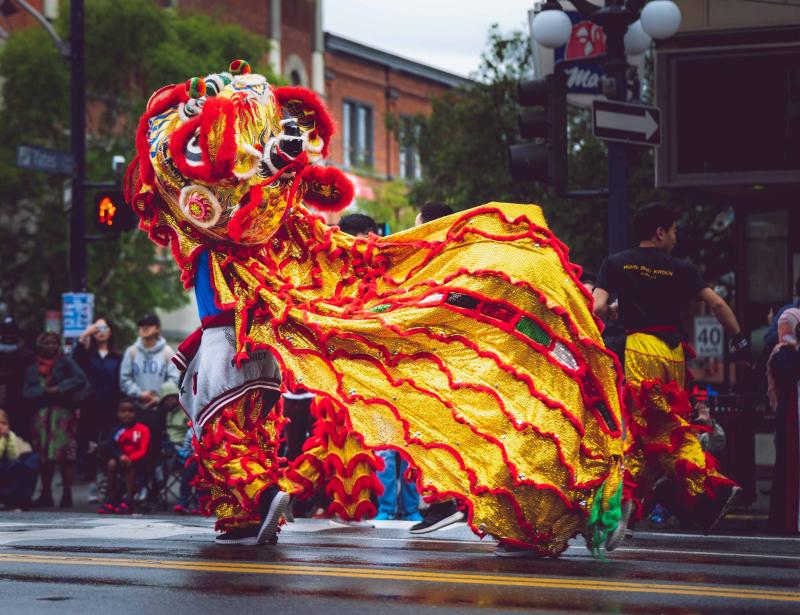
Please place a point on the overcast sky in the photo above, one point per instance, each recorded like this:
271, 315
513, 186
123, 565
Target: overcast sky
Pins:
448, 34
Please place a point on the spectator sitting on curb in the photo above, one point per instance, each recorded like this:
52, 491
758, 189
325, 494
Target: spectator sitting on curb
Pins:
130, 443
19, 466
173, 415
14, 360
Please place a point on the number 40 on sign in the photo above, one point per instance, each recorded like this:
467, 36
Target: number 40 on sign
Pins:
709, 338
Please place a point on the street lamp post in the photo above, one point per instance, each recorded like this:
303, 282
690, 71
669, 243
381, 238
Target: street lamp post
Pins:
73, 49
625, 33
77, 218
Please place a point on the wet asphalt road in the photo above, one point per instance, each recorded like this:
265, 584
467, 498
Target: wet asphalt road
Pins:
72, 563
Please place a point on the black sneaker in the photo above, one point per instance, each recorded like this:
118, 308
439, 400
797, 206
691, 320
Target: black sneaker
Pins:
43, 501
439, 515
271, 506
66, 499
247, 535
507, 550
719, 507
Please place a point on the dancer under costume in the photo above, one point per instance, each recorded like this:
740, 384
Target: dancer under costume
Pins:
466, 344
653, 288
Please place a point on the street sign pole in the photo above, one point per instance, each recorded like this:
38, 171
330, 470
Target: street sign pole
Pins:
616, 66
77, 226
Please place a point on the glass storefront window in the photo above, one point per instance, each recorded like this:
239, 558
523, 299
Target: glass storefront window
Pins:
767, 257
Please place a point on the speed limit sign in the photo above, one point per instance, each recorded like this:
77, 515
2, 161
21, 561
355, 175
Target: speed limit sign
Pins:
709, 338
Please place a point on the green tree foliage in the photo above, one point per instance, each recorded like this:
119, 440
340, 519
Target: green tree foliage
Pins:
133, 47
391, 205
463, 148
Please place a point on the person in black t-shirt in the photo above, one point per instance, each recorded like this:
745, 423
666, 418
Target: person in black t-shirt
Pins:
653, 288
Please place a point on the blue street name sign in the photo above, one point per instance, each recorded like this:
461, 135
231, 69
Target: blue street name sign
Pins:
44, 160
77, 312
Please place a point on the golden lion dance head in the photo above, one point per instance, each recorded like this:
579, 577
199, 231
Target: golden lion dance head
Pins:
222, 158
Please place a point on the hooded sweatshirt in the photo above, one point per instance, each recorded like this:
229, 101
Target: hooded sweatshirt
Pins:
146, 369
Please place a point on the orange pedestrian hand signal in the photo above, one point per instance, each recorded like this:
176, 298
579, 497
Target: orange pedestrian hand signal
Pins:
111, 214
106, 211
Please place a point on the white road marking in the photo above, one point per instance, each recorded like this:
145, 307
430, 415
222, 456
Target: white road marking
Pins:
143, 528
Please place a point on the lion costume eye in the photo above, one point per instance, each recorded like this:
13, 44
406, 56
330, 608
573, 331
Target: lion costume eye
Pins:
192, 151
200, 205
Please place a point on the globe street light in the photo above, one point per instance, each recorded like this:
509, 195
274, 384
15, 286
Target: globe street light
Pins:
629, 26
637, 41
661, 18
551, 27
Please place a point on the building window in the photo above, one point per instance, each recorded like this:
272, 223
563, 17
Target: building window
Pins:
295, 71
357, 134
410, 168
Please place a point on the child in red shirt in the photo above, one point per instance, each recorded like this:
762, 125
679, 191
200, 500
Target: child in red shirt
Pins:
129, 445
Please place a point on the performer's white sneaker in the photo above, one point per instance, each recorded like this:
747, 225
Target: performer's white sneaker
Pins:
239, 536
271, 506
616, 537
718, 512
337, 520
440, 515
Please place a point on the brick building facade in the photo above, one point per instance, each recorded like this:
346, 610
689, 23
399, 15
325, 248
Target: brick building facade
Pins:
361, 85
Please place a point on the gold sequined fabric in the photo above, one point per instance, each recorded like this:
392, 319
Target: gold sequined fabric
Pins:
467, 343
335, 460
237, 458
664, 443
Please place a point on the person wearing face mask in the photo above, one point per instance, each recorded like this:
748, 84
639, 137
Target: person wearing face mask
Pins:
54, 386
97, 355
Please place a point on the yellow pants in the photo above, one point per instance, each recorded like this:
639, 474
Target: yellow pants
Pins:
664, 442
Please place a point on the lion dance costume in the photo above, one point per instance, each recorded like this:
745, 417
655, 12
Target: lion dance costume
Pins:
466, 344
664, 443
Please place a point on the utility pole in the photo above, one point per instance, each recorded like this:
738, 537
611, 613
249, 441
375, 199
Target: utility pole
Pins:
77, 218
615, 20
657, 19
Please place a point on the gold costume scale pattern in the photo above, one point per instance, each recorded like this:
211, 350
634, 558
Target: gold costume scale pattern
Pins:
466, 344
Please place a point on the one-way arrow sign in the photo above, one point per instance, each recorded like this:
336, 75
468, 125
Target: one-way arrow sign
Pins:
615, 121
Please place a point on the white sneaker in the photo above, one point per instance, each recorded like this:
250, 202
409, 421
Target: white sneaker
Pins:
94, 493
337, 520
619, 534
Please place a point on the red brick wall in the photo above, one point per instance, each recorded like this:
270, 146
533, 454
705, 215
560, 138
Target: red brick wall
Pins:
249, 14
367, 83
297, 33
22, 19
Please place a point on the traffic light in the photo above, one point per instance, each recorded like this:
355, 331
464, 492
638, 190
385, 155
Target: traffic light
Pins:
546, 159
111, 213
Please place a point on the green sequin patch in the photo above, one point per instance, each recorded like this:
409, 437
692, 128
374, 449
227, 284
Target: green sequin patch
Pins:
528, 327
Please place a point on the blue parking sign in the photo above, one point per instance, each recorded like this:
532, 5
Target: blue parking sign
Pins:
77, 311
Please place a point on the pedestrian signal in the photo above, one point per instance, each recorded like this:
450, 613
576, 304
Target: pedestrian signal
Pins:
112, 213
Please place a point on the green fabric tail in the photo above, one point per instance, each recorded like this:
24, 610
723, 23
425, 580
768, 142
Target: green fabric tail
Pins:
602, 522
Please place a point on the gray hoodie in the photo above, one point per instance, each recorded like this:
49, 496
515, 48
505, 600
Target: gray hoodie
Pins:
146, 369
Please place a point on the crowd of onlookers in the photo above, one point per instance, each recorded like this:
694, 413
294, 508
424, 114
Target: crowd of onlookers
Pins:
115, 415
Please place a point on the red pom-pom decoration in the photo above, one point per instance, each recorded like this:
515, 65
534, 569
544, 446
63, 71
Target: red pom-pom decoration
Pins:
196, 87
240, 67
